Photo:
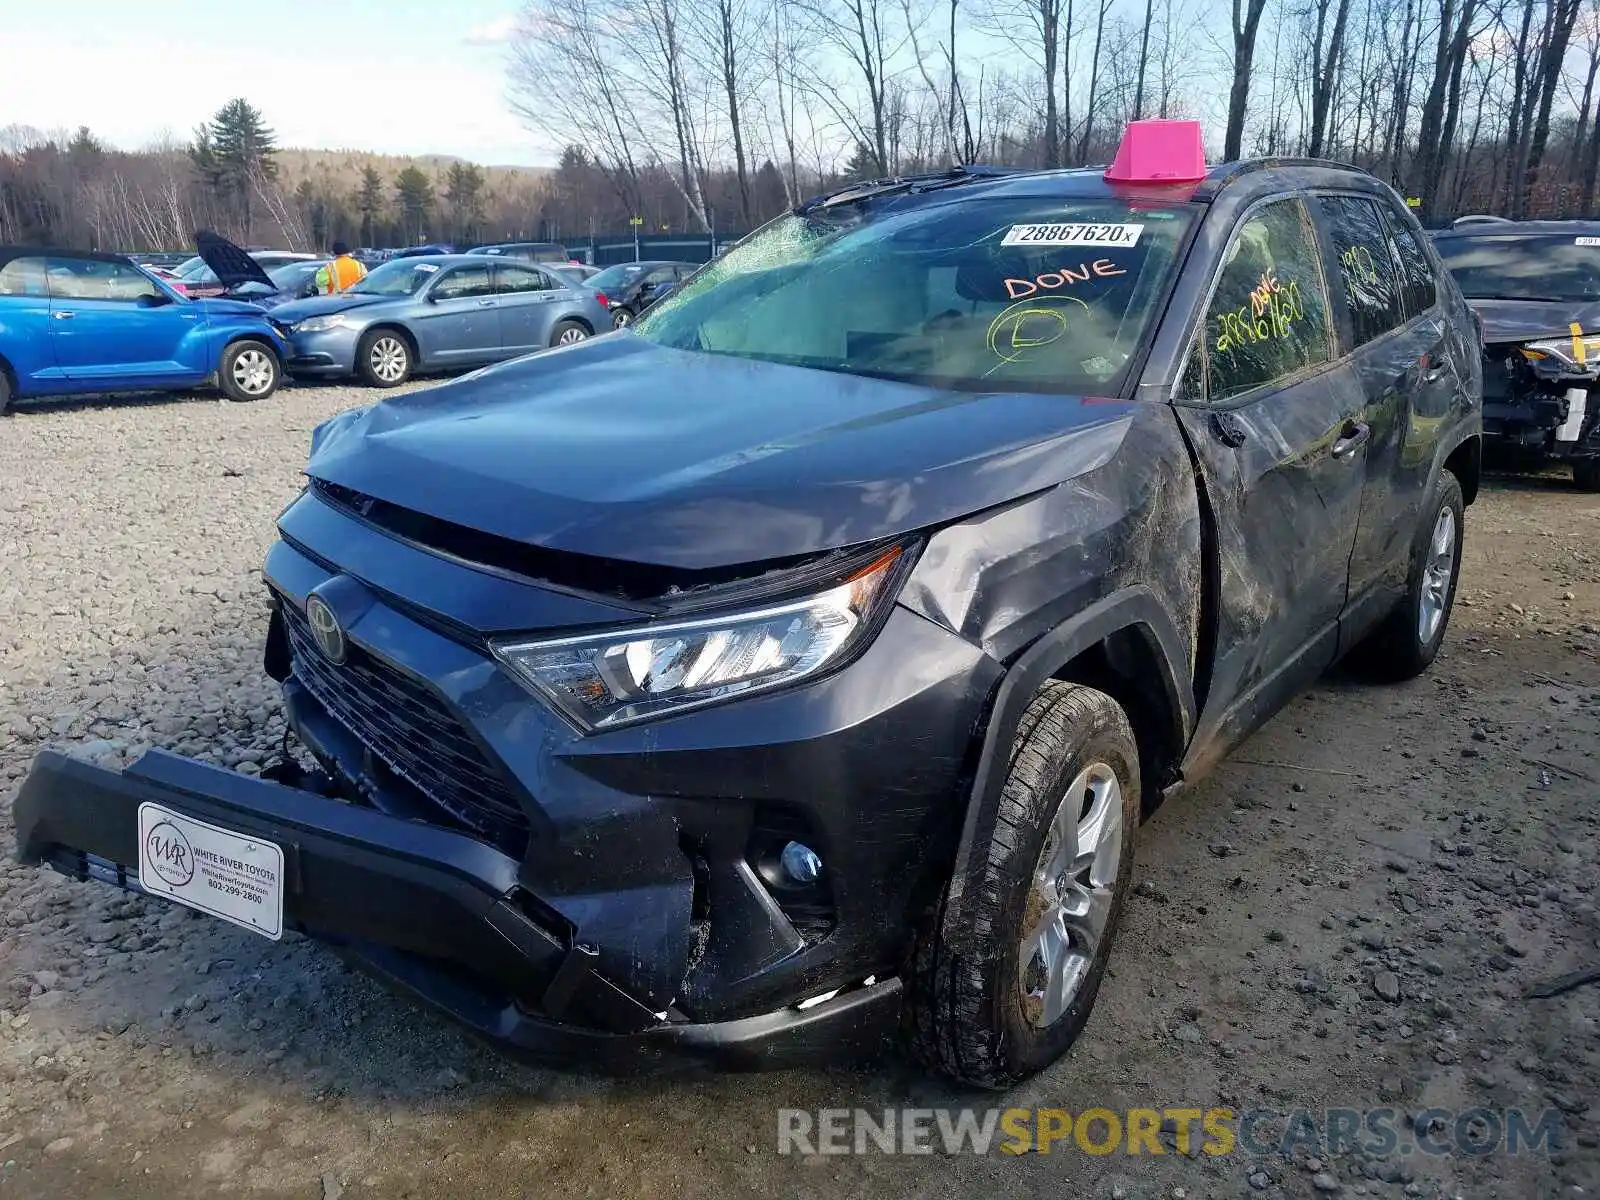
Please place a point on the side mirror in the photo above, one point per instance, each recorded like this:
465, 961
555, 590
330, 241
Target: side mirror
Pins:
153, 299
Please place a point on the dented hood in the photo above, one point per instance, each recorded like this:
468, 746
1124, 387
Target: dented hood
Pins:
621, 449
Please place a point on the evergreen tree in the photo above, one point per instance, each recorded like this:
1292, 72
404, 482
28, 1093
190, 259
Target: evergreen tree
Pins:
464, 194
233, 152
369, 203
414, 190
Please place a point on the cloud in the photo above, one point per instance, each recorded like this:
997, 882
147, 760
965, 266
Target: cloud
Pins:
493, 33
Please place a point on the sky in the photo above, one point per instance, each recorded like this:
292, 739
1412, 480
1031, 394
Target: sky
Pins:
390, 76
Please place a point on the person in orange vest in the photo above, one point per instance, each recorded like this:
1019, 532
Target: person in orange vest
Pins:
341, 273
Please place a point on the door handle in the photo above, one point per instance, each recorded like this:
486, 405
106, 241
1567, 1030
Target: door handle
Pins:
485, 303
1351, 437
1433, 366
63, 316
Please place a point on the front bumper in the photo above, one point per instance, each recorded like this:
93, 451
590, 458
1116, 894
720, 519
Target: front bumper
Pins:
332, 352
432, 911
556, 890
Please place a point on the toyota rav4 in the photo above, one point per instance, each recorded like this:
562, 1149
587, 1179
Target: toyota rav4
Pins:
790, 672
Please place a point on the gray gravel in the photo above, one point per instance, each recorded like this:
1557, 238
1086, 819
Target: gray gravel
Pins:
1347, 914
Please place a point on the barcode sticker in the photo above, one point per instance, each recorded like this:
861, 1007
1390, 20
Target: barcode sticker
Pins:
1072, 234
1587, 241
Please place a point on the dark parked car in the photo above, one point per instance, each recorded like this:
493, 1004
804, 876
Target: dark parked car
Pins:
197, 277
431, 248
795, 669
536, 252
72, 321
629, 288
1535, 286
434, 313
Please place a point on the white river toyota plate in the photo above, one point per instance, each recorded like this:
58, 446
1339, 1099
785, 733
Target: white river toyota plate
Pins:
225, 874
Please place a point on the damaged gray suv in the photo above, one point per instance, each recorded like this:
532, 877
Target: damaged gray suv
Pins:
787, 675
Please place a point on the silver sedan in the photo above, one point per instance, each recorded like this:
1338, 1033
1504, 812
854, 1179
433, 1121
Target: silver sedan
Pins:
437, 312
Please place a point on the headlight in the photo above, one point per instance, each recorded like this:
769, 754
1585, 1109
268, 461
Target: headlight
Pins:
610, 679
1573, 353
319, 324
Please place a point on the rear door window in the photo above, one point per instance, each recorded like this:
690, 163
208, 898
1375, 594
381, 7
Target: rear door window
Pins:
1418, 288
463, 282
1365, 265
1269, 316
520, 279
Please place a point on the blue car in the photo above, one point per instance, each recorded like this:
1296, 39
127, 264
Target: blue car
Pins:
81, 322
438, 312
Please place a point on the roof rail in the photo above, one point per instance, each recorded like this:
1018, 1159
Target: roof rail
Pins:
1226, 173
925, 181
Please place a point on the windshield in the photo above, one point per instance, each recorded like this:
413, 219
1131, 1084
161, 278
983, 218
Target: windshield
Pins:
402, 277
1019, 293
617, 277
1523, 267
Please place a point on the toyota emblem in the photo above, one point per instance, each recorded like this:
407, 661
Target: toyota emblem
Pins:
326, 630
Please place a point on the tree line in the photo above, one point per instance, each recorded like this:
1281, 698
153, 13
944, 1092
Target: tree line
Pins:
714, 115
232, 176
731, 109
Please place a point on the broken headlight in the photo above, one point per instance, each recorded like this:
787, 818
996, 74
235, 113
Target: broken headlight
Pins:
1571, 355
608, 679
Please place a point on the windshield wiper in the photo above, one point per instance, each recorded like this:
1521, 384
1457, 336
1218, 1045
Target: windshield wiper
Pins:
908, 184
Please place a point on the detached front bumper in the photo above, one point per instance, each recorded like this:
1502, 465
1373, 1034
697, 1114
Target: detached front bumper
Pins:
435, 912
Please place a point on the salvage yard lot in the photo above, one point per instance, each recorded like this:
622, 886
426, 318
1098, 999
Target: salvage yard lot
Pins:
1442, 837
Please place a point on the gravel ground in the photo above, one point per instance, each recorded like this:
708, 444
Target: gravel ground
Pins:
1348, 913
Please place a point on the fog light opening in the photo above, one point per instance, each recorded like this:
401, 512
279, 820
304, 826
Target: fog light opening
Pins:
801, 864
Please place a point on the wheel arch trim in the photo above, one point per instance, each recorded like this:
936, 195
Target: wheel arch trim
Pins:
1132, 608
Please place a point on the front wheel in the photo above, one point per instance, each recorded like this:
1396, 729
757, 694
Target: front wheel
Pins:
384, 358
1408, 640
1002, 990
1585, 471
248, 371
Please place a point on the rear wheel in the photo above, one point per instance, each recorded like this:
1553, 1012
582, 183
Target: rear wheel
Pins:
1585, 471
384, 358
5, 392
1041, 900
621, 318
1408, 640
568, 333
248, 371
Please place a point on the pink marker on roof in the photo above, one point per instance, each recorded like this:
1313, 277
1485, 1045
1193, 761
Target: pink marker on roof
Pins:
1159, 152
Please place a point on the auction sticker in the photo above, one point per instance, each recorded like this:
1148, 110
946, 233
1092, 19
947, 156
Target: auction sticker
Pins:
225, 874
1587, 241
1072, 234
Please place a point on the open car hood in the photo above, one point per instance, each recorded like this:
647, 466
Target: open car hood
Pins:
231, 265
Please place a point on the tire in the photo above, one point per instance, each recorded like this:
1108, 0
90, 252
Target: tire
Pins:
249, 371
5, 392
988, 1015
384, 358
1408, 640
621, 318
568, 333
1585, 471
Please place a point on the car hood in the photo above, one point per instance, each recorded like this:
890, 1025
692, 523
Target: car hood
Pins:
231, 265
618, 448
1528, 320
322, 306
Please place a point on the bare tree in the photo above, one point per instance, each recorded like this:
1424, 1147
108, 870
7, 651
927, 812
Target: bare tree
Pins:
1246, 24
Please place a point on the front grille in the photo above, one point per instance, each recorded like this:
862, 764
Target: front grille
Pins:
405, 725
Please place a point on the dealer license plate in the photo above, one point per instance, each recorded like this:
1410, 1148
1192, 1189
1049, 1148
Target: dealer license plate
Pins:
225, 874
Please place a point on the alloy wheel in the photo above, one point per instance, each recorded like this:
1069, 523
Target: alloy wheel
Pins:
389, 356
570, 336
1438, 576
1070, 900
